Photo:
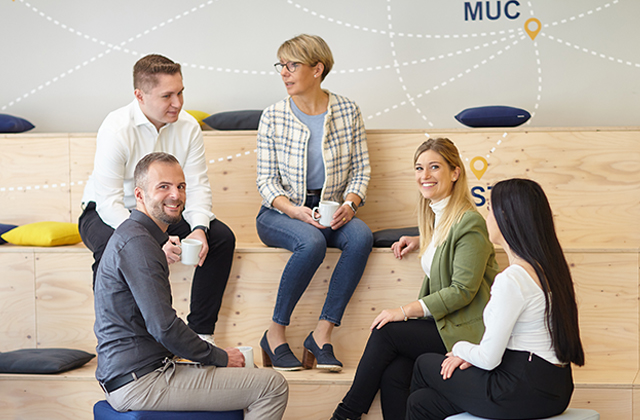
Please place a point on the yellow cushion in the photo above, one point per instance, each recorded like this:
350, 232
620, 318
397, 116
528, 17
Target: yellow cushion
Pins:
44, 234
198, 115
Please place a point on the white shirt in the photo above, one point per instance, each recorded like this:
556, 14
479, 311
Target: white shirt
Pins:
514, 319
127, 135
427, 258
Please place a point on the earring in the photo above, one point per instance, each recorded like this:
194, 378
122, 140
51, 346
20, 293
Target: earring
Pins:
315, 75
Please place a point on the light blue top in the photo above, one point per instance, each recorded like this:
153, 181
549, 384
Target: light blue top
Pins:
315, 164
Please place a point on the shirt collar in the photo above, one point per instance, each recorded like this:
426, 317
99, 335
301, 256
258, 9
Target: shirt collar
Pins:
155, 231
139, 118
438, 208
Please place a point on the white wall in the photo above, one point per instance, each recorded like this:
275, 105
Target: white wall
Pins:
408, 63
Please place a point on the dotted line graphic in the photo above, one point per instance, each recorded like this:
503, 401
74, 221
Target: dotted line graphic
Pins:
594, 53
539, 95
581, 15
230, 157
539, 64
432, 58
54, 80
39, 187
492, 150
450, 80
33, 188
113, 47
396, 65
390, 32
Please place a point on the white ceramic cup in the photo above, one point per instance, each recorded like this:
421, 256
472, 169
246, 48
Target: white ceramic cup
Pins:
326, 210
190, 251
247, 352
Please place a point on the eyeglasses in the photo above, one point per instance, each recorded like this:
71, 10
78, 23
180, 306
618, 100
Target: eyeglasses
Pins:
290, 65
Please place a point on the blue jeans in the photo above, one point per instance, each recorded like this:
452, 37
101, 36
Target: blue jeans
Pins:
309, 245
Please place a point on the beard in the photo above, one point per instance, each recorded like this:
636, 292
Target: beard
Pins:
157, 212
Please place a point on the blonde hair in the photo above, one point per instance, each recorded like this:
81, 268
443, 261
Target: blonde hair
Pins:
309, 50
460, 200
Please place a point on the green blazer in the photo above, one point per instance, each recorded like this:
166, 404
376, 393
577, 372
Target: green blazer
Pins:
462, 272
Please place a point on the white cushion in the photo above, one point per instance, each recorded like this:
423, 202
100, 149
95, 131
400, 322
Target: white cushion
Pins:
570, 414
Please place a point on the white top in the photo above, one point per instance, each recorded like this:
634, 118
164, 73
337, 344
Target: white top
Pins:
427, 258
514, 319
125, 136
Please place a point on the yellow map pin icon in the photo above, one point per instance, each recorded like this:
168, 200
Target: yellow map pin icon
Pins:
532, 33
478, 172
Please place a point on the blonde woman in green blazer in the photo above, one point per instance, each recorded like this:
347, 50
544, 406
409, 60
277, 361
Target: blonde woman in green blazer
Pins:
459, 263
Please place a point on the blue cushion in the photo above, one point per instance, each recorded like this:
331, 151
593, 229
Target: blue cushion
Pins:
103, 411
234, 120
42, 360
493, 116
5, 228
11, 124
386, 237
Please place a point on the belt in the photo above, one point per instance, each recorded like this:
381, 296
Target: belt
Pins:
314, 192
122, 380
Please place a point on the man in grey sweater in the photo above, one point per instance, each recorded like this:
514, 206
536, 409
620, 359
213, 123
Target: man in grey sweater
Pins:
139, 332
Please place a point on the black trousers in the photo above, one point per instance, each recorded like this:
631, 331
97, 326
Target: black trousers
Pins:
523, 386
209, 281
387, 364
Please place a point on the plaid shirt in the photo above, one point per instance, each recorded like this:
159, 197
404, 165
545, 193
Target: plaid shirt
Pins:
282, 153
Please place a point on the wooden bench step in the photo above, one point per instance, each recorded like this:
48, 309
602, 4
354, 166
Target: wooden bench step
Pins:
313, 393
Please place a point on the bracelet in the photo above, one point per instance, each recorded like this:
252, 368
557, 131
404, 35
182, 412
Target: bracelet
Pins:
403, 313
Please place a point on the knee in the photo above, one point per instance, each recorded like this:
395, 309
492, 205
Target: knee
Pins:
361, 237
379, 343
312, 246
221, 236
426, 369
381, 337
429, 359
424, 361
279, 385
364, 241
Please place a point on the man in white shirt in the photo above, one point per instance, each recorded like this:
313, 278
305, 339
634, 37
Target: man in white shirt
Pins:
154, 122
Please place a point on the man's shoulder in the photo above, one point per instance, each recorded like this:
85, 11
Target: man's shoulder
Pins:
132, 230
119, 119
187, 119
132, 241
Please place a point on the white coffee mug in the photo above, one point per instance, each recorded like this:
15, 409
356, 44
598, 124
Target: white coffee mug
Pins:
326, 209
190, 251
247, 352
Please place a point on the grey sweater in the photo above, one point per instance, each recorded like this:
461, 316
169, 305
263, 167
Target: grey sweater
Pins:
136, 324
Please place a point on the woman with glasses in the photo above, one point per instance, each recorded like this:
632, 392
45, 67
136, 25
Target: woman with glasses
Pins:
522, 367
311, 147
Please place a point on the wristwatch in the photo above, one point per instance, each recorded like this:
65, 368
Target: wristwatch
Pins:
205, 229
351, 205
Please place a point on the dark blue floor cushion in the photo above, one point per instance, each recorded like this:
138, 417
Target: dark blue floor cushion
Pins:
386, 237
103, 411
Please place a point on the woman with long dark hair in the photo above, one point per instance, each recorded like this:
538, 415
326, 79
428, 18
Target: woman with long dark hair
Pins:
522, 367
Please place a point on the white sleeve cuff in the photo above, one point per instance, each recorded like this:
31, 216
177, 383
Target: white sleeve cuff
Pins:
425, 310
